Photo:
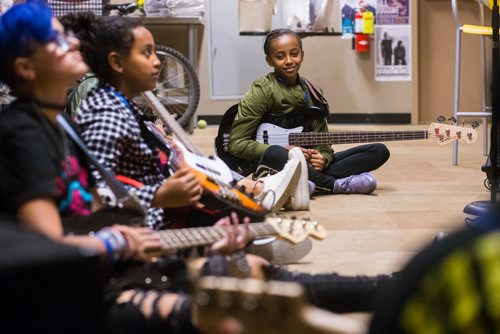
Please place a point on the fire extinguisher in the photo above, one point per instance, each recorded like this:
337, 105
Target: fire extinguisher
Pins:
363, 28
362, 41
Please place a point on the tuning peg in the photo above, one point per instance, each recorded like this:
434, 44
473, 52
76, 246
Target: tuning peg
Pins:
474, 124
441, 119
452, 120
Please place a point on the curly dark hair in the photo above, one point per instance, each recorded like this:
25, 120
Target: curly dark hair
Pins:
101, 35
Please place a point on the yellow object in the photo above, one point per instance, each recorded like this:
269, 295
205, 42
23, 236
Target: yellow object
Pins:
367, 22
202, 124
477, 30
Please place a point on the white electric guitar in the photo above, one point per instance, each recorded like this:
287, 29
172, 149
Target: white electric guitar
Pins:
215, 177
441, 133
272, 134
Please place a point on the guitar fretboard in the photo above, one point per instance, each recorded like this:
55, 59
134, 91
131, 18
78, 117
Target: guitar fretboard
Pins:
170, 122
200, 236
348, 137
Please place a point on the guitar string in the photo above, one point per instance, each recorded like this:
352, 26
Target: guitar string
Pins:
180, 238
226, 190
346, 136
349, 135
175, 127
352, 137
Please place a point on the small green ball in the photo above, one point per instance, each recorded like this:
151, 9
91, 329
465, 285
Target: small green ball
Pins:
202, 124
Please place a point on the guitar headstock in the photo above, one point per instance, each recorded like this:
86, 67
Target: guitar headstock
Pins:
296, 230
446, 133
265, 307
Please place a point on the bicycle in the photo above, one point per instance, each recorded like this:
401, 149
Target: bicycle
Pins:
178, 87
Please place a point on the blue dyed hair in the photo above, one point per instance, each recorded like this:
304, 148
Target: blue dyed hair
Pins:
22, 28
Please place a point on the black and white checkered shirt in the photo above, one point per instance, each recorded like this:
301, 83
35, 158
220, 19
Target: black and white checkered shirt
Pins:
111, 131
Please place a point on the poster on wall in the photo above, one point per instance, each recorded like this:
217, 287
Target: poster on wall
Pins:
393, 53
393, 12
348, 10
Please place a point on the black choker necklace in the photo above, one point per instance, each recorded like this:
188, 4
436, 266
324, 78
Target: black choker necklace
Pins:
50, 105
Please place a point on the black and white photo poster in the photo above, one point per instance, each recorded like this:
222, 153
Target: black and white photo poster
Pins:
393, 55
393, 12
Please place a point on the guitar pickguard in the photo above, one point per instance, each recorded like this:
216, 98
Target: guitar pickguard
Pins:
267, 133
215, 168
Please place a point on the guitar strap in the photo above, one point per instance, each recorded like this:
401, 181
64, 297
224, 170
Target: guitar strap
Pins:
318, 97
315, 91
122, 195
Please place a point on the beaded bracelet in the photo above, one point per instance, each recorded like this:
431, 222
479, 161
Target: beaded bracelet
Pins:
114, 243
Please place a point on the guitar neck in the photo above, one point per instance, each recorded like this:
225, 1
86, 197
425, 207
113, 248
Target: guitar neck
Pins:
201, 236
269, 301
350, 137
169, 121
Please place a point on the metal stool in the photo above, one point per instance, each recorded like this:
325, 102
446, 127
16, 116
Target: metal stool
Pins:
482, 31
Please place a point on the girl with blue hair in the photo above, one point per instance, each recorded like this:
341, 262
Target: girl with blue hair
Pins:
44, 177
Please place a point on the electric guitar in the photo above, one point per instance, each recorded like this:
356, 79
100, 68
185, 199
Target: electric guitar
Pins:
292, 230
272, 134
215, 177
266, 307
152, 273
441, 133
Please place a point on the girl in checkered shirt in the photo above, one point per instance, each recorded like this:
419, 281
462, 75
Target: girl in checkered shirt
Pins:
126, 65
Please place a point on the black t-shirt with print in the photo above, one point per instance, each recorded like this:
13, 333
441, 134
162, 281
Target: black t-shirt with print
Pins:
38, 161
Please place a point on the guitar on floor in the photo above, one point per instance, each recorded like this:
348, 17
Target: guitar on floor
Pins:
272, 134
266, 307
214, 175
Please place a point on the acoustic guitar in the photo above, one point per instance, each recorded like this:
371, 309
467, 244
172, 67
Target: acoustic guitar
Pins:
266, 307
220, 193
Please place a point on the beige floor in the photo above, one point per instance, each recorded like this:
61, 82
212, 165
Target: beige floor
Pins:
419, 193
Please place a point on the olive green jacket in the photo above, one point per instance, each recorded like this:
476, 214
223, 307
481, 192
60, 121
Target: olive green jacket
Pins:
268, 94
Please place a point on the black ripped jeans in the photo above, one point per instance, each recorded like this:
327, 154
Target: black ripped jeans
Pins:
352, 161
330, 291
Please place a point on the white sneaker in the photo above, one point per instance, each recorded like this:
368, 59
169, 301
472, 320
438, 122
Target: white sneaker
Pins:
301, 196
278, 188
279, 251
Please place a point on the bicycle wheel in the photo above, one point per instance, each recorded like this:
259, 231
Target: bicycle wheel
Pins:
177, 87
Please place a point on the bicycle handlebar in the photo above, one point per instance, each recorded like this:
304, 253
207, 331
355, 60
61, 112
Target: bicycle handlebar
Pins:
123, 9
